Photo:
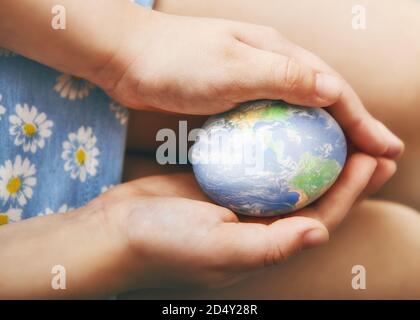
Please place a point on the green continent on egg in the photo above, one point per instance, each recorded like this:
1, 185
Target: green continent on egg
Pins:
315, 174
278, 112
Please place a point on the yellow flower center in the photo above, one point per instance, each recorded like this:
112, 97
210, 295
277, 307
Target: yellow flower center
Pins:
14, 184
4, 219
29, 129
81, 156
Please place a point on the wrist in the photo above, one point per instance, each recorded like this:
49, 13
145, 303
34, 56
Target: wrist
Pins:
134, 31
114, 226
109, 258
102, 38
80, 241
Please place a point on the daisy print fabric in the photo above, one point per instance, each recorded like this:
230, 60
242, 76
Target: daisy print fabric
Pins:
80, 154
30, 128
17, 180
62, 139
72, 87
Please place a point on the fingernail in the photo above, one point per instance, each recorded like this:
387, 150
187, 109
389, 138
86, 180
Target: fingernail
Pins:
394, 152
314, 238
395, 144
328, 87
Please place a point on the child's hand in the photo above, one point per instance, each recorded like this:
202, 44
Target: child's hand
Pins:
150, 60
177, 238
161, 231
206, 66
145, 59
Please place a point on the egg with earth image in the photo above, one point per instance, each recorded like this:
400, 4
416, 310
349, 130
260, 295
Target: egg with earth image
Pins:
268, 158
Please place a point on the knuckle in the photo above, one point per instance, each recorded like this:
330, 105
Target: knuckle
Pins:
274, 255
293, 77
268, 37
355, 123
292, 74
270, 32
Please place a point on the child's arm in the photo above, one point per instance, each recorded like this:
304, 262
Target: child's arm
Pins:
92, 32
146, 59
79, 241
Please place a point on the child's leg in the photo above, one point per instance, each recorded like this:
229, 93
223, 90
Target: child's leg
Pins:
383, 237
381, 62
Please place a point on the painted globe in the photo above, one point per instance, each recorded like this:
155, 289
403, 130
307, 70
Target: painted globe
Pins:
268, 158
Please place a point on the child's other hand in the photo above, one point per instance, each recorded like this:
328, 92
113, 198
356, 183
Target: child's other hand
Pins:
206, 66
176, 237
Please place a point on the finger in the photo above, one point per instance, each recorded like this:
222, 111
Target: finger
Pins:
385, 169
334, 205
365, 131
395, 149
250, 246
275, 76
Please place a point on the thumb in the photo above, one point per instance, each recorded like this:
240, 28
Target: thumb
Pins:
268, 75
254, 245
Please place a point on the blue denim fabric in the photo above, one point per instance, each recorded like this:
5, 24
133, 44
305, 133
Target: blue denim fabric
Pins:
61, 139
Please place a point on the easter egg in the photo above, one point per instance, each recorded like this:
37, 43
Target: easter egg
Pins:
268, 158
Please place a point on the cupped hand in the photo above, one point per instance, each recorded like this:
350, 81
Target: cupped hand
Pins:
206, 66
176, 237
201, 66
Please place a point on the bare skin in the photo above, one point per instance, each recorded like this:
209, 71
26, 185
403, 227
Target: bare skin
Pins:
391, 93
382, 236
379, 62
208, 72
113, 49
111, 244
325, 272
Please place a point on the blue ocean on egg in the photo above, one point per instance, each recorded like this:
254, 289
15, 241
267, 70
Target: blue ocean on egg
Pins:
268, 158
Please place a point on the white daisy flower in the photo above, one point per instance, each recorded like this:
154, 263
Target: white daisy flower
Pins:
63, 209
106, 188
79, 153
121, 113
73, 87
2, 108
30, 127
11, 215
17, 180
6, 53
